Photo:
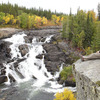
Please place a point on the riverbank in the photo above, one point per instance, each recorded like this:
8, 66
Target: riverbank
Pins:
7, 32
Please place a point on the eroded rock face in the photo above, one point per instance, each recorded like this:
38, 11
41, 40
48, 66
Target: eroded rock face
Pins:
52, 66
50, 48
4, 50
55, 55
87, 75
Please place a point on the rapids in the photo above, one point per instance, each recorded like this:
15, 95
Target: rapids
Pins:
34, 79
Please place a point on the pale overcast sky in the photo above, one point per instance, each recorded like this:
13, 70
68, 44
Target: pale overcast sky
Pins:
58, 5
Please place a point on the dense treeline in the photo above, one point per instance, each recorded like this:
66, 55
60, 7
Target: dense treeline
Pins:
82, 30
28, 21
17, 10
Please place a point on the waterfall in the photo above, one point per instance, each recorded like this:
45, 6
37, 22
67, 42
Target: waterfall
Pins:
30, 67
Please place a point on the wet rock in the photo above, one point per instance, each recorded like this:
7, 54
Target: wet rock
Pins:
34, 77
3, 79
20, 60
12, 79
4, 50
10, 60
45, 74
23, 49
61, 82
15, 64
3, 72
43, 39
40, 56
28, 39
1, 65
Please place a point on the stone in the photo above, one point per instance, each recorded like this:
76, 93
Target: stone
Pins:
50, 48
55, 56
34, 77
3, 79
43, 39
87, 74
28, 39
3, 72
4, 50
40, 56
23, 49
12, 79
52, 66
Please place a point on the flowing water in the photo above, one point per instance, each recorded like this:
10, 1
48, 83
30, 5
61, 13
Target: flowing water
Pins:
29, 88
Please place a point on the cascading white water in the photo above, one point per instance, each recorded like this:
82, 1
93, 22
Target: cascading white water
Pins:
31, 67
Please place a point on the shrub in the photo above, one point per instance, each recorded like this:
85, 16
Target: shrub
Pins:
65, 95
66, 72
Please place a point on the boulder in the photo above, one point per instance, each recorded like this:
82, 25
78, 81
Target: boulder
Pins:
28, 39
3, 79
15, 64
40, 56
12, 79
3, 72
43, 39
23, 49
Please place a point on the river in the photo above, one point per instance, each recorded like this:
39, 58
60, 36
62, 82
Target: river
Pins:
30, 80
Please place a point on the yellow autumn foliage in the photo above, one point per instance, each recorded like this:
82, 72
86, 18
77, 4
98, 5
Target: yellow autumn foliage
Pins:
30, 21
65, 95
57, 19
62, 18
8, 18
44, 21
14, 21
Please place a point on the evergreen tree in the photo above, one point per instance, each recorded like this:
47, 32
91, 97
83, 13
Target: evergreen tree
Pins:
99, 11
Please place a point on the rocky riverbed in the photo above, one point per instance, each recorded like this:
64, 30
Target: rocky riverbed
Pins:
55, 53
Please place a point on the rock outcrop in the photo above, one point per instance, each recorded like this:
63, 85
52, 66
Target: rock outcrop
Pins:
87, 75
